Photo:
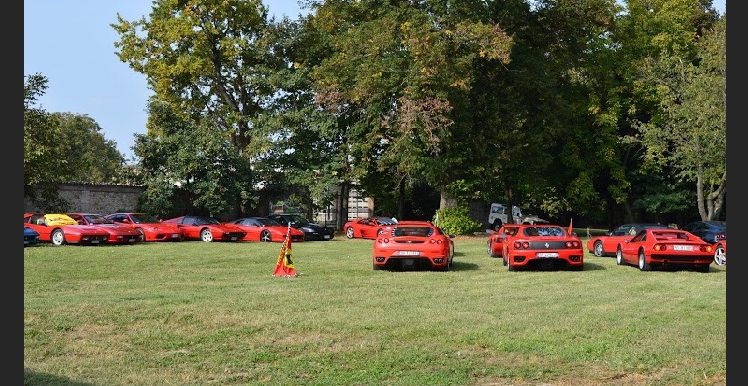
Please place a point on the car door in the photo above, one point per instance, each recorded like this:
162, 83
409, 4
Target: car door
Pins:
252, 227
367, 228
630, 248
36, 222
189, 229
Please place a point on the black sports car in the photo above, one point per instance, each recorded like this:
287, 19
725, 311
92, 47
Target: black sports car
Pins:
707, 230
311, 231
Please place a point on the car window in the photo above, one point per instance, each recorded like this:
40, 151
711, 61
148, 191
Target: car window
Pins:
543, 231
621, 231
641, 236
413, 231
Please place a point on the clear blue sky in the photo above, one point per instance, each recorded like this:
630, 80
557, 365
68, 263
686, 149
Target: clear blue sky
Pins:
72, 44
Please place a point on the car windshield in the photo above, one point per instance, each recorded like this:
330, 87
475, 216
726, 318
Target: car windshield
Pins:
142, 218
96, 219
543, 231
718, 226
205, 221
414, 231
267, 222
296, 219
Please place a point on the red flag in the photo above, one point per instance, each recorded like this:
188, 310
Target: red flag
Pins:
284, 267
570, 229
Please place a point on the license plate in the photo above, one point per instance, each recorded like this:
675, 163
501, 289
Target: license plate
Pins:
94, 241
408, 253
174, 236
547, 254
327, 236
233, 239
682, 247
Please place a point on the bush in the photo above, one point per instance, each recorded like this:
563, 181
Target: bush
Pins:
455, 221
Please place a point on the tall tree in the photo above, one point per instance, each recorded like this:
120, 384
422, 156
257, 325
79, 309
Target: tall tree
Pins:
211, 60
691, 135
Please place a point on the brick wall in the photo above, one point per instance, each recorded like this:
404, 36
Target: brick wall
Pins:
93, 198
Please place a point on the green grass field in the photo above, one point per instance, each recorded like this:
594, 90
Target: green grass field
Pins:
212, 313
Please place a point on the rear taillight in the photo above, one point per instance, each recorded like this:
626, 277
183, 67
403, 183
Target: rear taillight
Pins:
432, 241
517, 245
385, 241
572, 244
705, 248
521, 245
659, 247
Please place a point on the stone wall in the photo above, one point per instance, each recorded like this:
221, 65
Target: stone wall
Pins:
95, 198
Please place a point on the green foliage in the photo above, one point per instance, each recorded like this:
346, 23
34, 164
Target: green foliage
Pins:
188, 168
62, 147
455, 221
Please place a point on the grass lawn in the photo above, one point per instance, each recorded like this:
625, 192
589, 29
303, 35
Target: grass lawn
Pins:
200, 313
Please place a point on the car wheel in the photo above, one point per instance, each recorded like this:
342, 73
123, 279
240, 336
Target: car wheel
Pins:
349, 233
376, 267
643, 265
142, 234
490, 249
619, 256
503, 261
509, 265
58, 237
703, 268
598, 248
265, 236
206, 235
719, 255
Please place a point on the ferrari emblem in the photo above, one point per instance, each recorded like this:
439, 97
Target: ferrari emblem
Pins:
547, 245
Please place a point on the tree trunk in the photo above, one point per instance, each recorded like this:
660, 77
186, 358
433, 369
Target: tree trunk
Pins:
343, 205
445, 201
629, 212
401, 200
713, 201
510, 204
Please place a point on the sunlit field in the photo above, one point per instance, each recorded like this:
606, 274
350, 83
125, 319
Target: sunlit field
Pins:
200, 313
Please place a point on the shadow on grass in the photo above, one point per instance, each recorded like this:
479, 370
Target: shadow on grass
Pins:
31, 377
463, 266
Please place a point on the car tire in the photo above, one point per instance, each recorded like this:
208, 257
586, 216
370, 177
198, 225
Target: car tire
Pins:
598, 248
206, 235
619, 256
490, 249
142, 234
703, 268
643, 265
719, 255
509, 265
503, 261
57, 237
376, 267
266, 237
349, 232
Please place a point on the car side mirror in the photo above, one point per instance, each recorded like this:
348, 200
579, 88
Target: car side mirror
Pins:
609, 233
574, 234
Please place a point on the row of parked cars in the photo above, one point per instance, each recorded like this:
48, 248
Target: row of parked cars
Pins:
129, 228
645, 245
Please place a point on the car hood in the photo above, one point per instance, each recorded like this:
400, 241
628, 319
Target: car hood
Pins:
316, 227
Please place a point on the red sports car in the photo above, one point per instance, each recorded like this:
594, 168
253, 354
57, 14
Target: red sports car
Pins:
496, 240
665, 247
543, 246
206, 229
413, 244
606, 245
265, 229
720, 249
60, 229
149, 228
368, 228
118, 234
